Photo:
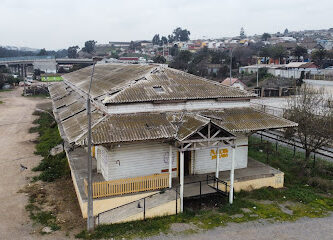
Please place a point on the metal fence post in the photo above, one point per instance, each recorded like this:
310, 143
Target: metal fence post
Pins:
200, 196
144, 209
314, 159
176, 201
294, 148
267, 151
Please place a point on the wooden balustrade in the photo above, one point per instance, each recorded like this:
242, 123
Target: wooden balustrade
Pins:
128, 185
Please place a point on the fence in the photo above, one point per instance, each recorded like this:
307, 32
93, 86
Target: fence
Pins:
292, 143
268, 109
128, 185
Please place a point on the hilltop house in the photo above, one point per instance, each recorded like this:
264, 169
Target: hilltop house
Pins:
159, 135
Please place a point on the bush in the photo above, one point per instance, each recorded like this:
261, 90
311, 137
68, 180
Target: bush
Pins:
52, 168
322, 184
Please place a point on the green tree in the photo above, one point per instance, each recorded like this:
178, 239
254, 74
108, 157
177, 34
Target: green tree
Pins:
72, 52
318, 56
265, 52
242, 33
265, 36
159, 59
299, 52
309, 108
164, 40
286, 31
42, 52
278, 52
174, 50
171, 38
180, 34
89, 46
182, 60
199, 63
156, 39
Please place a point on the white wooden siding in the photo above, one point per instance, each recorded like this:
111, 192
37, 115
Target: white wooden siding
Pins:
104, 160
203, 162
138, 159
187, 106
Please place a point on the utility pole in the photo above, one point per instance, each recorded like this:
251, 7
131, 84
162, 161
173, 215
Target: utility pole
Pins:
257, 73
230, 65
90, 219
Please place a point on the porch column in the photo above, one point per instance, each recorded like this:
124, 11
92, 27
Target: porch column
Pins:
170, 166
232, 174
217, 163
181, 173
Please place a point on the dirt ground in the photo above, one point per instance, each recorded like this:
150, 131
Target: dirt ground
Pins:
17, 147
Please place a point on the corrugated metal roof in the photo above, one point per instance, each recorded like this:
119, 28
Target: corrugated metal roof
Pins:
77, 125
59, 90
107, 77
132, 127
246, 119
67, 100
170, 84
180, 126
72, 109
189, 124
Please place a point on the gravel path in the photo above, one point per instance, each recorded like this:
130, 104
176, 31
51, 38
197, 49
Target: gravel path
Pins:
303, 229
16, 147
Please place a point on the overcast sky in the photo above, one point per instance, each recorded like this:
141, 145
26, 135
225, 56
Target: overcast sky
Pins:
55, 24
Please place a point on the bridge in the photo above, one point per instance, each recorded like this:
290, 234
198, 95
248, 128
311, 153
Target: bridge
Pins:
21, 65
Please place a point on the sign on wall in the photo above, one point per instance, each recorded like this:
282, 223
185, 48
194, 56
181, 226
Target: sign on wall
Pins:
223, 153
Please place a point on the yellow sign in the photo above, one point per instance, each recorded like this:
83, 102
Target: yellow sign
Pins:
223, 153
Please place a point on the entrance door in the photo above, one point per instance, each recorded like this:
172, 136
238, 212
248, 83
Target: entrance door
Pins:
187, 163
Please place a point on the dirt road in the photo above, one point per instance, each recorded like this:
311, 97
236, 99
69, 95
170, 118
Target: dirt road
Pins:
16, 148
303, 229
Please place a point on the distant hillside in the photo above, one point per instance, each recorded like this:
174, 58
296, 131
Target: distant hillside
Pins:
10, 51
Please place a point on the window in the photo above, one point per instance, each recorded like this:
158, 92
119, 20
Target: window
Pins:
159, 89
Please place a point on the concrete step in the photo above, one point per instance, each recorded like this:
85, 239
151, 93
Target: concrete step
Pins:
126, 211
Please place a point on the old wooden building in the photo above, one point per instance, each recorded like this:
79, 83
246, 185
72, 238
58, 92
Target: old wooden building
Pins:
159, 135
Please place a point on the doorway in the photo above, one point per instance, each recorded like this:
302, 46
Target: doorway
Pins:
187, 163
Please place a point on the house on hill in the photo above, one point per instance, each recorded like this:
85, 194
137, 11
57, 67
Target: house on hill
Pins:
235, 82
159, 135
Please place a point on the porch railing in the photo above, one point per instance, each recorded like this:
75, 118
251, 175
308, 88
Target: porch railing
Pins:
128, 185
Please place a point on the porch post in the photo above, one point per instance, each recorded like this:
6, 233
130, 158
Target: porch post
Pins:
181, 173
217, 163
232, 173
170, 166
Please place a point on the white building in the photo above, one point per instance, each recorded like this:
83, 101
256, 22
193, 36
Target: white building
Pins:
155, 129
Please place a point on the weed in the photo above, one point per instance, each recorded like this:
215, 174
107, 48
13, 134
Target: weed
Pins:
51, 167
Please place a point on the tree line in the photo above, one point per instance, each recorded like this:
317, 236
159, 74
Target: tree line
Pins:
178, 35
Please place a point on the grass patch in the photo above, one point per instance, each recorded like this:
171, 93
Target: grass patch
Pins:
36, 214
52, 79
1, 102
51, 167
